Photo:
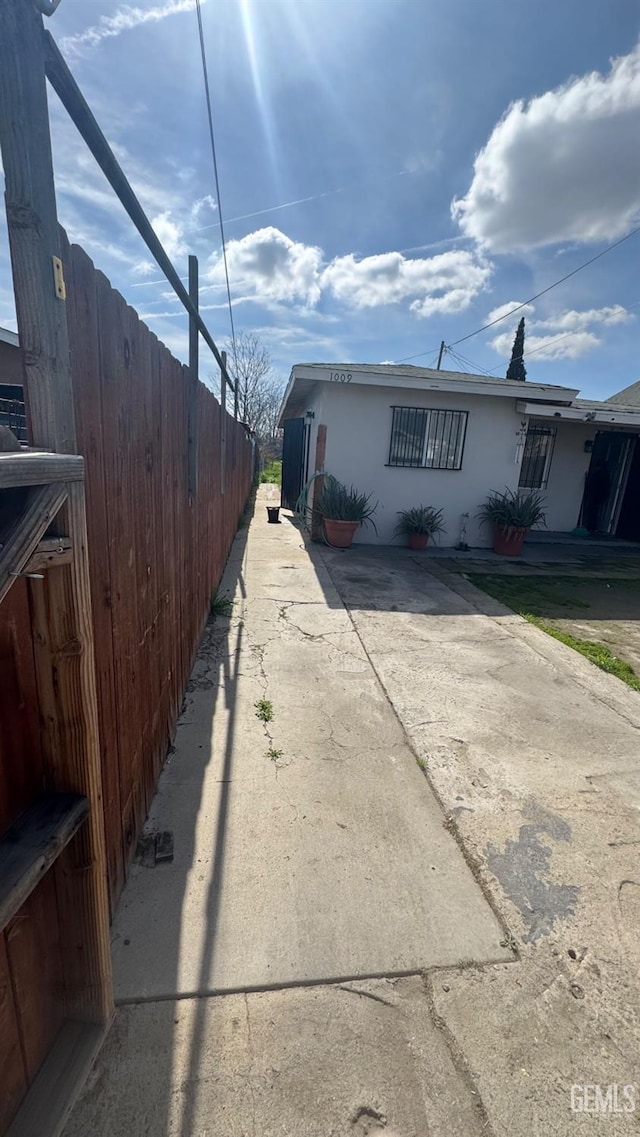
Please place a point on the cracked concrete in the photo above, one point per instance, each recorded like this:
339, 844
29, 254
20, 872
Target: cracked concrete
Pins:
304, 876
271, 978
312, 830
533, 753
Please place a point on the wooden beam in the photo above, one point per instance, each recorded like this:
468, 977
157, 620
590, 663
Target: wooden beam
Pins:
37, 468
31, 524
33, 227
46, 1108
64, 656
192, 424
32, 845
80, 112
223, 425
51, 552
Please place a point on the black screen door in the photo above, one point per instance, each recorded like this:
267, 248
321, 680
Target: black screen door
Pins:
292, 462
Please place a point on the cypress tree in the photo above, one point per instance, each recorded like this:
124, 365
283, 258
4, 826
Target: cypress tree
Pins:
516, 369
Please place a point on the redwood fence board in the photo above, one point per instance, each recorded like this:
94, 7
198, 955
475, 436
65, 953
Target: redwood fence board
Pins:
155, 555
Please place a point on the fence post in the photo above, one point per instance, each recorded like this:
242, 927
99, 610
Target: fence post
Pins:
192, 407
64, 655
223, 423
34, 237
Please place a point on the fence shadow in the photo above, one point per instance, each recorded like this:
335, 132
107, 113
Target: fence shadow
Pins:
136, 1070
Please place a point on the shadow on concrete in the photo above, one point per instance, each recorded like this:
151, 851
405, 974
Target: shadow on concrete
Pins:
563, 581
213, 678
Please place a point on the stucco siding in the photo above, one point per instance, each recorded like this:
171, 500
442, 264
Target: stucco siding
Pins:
358, 421
565, 485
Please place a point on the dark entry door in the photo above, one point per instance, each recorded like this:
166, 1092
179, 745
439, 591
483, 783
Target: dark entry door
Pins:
629, 520
292, 462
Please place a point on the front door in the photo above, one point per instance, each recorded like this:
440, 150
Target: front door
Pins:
628, 525
610, 465
292, 462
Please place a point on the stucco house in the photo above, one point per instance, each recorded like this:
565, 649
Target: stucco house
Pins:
412, 436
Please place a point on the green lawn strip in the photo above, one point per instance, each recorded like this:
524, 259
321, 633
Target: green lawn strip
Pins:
272, 473
526, 598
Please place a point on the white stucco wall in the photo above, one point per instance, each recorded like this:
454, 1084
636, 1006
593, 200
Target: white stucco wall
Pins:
565, 485
358, 421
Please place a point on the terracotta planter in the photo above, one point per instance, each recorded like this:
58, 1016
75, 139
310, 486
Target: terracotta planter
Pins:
418, 540
508, 542
340, 533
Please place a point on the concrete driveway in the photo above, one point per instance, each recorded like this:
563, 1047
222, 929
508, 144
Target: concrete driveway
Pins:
409, 900
535, 756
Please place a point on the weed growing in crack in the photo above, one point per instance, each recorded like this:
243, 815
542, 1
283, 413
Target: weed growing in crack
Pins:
510, 942
220, 605
275, 755
421, 763
264, 710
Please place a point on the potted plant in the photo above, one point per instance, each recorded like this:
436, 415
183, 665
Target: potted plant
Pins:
418, 524
342, 510
512, 514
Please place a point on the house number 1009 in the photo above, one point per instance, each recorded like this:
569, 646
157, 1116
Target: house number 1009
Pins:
340, 376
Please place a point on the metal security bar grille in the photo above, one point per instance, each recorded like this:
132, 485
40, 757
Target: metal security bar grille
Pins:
12, 414
536, 459
425, 438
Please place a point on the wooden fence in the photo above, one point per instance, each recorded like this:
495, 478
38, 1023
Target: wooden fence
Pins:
155, 555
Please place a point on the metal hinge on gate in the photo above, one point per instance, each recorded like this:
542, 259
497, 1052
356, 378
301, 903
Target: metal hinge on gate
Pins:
58, 279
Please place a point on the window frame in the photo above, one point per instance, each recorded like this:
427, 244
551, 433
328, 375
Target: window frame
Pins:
544, 430
426, 414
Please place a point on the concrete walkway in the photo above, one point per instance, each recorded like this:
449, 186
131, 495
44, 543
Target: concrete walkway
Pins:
319, 960
310, 854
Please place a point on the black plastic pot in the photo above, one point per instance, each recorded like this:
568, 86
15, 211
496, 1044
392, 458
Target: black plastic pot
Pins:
273, 511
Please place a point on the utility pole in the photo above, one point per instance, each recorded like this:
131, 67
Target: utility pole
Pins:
440, 354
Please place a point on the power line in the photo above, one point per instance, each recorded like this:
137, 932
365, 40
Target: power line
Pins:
537, 296
215, 168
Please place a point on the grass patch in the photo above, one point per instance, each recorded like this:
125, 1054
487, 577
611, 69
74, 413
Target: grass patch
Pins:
272, 473
534, 598
220, 605
532, 594
264, 710
595, 652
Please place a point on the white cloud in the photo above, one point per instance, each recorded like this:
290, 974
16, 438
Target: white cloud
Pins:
502, 311
170, 234
563, 167
444, 283
123, 20
566, 335
272, 266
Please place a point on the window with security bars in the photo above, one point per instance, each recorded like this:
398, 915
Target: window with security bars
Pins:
536, 458
429, 439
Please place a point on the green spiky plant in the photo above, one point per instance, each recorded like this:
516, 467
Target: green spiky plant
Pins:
337, 502
420, 519
513, 510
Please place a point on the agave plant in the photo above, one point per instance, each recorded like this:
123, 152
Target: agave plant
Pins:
337, 502
420, 519
513, 510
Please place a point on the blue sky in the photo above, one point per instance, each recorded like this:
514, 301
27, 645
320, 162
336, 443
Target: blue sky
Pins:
455, 157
